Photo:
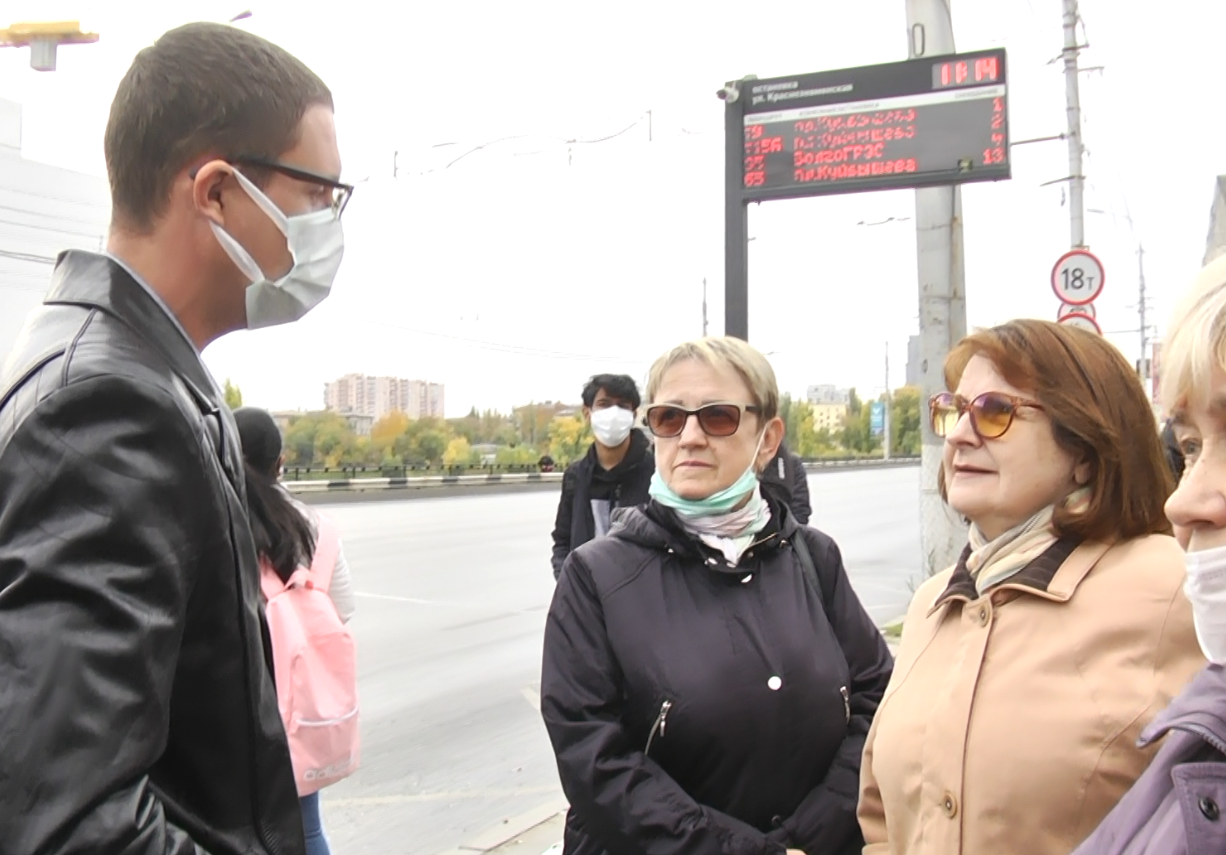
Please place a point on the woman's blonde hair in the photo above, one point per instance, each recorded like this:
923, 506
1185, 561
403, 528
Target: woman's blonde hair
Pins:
1195, 339
746, 360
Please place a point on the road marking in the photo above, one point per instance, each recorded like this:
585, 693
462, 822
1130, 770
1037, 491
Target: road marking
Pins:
533, 698
390, 598
449, 795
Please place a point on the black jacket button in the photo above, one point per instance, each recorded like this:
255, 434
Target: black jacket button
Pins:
777, 821
1209, 808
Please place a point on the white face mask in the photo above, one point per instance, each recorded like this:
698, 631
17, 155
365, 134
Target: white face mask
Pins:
611, 426
316, 241
1206, 589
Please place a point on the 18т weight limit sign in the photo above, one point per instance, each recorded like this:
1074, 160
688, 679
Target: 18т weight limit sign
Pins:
1078, 277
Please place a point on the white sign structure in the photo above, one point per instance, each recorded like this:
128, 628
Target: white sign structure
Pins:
1085, 322
1067, 309
1078, 277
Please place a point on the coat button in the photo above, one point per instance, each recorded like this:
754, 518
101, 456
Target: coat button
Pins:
950, 805
983, 616
774, 684
1209, 808
776, 821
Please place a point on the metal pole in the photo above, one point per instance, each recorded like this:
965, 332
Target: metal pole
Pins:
1073, 98
704, 307
886, 443
736, 219
942, 300
1146, 367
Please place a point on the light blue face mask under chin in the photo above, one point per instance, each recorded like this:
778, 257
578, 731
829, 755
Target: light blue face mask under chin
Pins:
718, 503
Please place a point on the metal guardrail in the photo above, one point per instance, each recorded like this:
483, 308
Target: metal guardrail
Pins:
435, 482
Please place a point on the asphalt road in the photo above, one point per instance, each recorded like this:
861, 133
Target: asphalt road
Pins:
452, 596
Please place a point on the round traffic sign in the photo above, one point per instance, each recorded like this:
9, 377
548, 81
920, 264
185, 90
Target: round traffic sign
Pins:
1078, 277
1067, 309
1083, 322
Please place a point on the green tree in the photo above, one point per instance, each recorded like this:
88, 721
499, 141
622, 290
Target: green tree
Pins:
905, 430
385, 432
304, 432
459, 453
518, 455
233, 395
569, 439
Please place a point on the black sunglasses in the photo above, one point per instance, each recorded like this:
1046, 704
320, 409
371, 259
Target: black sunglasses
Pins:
667, 421
991, 413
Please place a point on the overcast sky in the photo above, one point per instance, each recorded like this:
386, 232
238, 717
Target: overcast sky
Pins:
523, 268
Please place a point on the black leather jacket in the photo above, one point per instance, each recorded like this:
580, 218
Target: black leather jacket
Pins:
137, 711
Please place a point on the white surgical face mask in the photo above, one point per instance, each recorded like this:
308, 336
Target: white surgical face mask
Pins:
612, 425
316, 241
1206, 589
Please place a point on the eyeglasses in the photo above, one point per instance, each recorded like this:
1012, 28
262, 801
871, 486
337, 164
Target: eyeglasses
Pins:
991, 413
667, 421
340, 191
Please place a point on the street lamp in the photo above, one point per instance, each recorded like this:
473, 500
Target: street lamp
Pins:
43, 37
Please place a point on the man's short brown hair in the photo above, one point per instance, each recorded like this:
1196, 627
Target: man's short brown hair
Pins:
1099, 413
201, 90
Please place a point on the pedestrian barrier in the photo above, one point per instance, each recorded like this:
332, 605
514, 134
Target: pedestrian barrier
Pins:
491, 479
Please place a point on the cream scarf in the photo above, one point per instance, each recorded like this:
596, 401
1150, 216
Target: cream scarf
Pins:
992, 562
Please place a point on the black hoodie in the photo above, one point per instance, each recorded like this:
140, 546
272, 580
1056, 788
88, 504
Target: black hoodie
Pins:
590, 491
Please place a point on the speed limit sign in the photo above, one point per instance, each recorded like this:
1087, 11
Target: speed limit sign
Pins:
1067, 309
1078, 277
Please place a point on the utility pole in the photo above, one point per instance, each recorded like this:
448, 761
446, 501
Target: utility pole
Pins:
1072, 92
1145, 364
942, 301
704, 307
886, 441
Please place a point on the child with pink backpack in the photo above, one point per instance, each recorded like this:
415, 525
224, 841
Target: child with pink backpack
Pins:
308, 601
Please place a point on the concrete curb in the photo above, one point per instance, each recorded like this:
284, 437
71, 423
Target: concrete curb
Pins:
513, 830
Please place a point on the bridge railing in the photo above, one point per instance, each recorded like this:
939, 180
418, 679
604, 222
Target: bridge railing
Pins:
358, 478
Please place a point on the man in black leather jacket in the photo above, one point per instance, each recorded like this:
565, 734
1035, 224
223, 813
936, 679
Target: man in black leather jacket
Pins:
137, 711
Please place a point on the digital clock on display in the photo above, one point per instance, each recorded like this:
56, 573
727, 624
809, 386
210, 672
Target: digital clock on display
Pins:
965, 72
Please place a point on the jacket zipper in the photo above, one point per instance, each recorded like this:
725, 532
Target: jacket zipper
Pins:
846, 703
658, 727
1204, 733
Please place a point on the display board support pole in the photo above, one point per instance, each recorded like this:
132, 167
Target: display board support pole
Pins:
942, 301
736, 217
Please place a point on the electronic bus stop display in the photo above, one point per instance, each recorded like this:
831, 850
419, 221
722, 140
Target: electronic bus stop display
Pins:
922, 122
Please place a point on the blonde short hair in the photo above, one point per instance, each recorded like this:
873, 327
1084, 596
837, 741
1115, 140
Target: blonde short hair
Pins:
1195, 339
746, 360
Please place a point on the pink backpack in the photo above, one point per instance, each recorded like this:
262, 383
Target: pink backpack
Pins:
316, 668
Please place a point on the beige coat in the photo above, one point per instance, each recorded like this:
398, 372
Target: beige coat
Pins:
1011, 721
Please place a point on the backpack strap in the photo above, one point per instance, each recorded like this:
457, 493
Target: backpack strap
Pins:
270, 582
801, 545
327, 547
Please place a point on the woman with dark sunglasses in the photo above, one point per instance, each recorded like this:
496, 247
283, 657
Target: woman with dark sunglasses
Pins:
1028, 670
709, 675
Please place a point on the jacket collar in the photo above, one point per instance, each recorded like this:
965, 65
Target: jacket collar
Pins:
1199, 709
657, 527
1053, 575
97, 282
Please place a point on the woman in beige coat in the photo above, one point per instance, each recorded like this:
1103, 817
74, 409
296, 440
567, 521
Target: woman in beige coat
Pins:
1028, 670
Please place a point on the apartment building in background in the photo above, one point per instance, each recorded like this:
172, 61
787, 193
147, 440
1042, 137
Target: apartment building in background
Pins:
376, 397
